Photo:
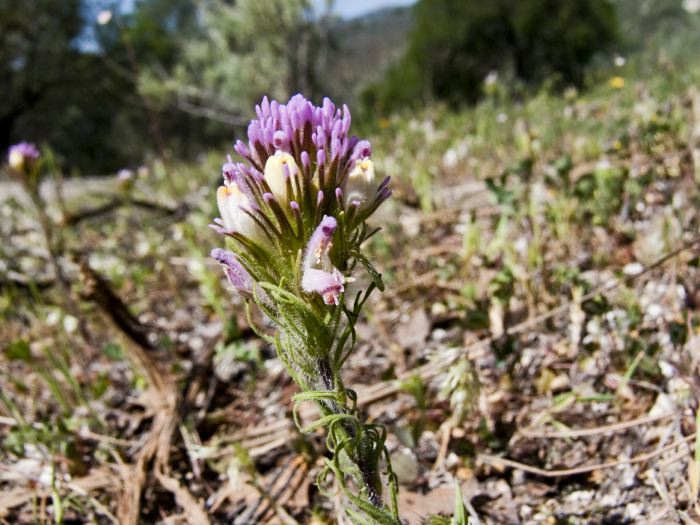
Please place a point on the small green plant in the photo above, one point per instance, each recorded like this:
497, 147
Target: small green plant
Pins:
295, 217
461, 388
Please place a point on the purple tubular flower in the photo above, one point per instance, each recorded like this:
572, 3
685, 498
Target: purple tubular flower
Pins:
280, 140
320, 276
218, 226
305, 160
236, 274
228, 170
328, 285
361, 150
241, 149
320, 242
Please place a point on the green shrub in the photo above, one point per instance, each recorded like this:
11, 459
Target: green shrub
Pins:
456, 43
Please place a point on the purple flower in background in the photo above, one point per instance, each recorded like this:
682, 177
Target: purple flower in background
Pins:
21, 155
320, 276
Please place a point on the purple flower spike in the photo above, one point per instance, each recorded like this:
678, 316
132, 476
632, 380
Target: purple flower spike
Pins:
284, 127
317, 142
298, 164
236, 274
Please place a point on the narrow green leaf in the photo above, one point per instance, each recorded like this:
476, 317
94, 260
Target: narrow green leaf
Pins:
460, 515
371, 270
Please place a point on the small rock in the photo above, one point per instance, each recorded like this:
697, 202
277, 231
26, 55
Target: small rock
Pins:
405, 465
413, 331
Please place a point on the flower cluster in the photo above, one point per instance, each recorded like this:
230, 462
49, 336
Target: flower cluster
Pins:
22, 156
302, 180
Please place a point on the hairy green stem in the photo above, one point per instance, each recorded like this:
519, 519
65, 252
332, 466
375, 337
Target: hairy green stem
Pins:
370, 479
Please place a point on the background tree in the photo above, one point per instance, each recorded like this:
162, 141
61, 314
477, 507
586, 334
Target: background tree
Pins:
454, 44
36, 49
74, 89
241, 51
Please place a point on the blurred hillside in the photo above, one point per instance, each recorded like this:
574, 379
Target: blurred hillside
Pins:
365, 47
107, 89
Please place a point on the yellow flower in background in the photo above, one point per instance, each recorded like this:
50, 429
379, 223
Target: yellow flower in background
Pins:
384, 123
16, 160
617, 82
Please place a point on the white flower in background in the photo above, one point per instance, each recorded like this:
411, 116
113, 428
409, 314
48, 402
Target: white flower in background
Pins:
104, 17
450, 158
691, 6
491, 78
361, 184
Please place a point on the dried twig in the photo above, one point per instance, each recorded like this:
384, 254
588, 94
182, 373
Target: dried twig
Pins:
165, 403
118, 202
604, 429
504, 462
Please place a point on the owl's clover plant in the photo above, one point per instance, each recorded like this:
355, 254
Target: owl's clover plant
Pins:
294, 214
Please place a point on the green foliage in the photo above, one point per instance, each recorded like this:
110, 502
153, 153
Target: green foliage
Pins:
18, 350
456, 43
56, 92
39, 66
239, 52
